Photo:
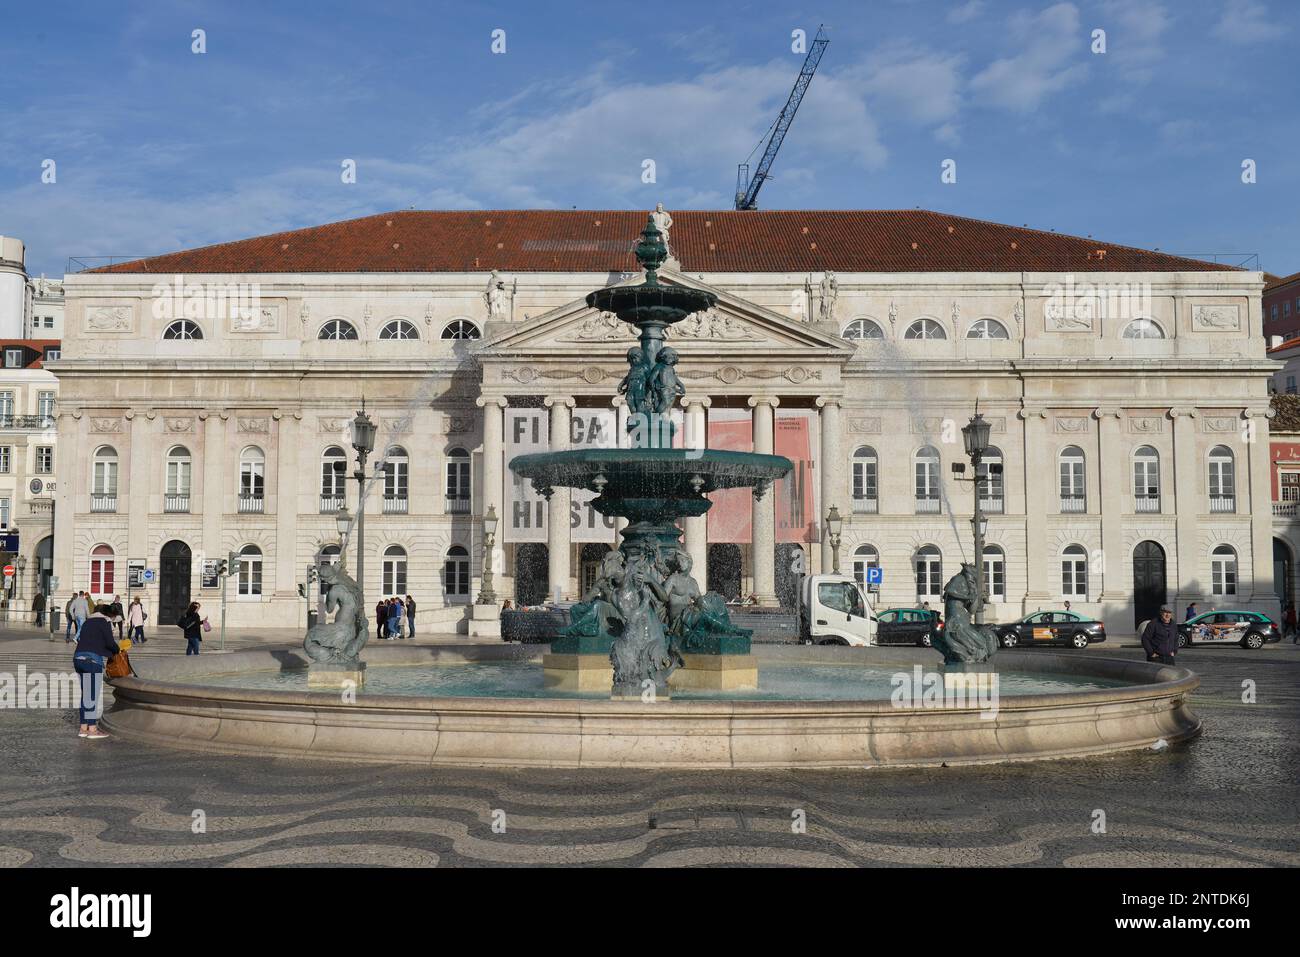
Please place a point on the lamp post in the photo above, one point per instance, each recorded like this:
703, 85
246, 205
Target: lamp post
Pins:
975, 435
363, 441
834, 525
342, 521
486, 595
21, 564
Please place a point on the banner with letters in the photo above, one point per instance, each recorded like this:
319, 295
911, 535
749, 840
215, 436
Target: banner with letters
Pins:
527, 431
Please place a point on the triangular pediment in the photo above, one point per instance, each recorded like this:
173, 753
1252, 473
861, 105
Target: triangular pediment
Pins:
735, 326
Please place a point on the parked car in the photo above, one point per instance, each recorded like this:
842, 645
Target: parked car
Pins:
1051, 628
1250, 629
907, 626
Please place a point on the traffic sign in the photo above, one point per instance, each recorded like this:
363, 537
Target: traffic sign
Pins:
149, 575
9, 571
875, 575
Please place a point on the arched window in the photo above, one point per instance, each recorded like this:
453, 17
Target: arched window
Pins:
1072, 489
394, 570
252, 479
1142, 329
250, 570
1074, 572
1146, 479
397, 470
455, 574
104, 475
101, 571
863, 329
458, 482
1223, 480
864, 557
398, 329
1223, 571
925, 469
866, 467
989, 474
995, 573
987, 329
925, 329
180, 469
337, 329
333, 479
183, 329
328, 555
929, 573
461, 329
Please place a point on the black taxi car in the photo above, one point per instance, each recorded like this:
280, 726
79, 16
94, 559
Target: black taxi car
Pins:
1250, 629
907, 626
1051, 628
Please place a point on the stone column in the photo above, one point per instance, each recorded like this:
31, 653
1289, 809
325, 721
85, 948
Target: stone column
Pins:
69, 465
557, 512
1259, 465
140, 456
697, 528
763, 548
213, 504
1190, 569
1112, 479
1040, 497
494, 476
287, 479
833, 490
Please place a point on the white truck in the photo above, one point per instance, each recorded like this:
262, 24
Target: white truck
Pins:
834, 611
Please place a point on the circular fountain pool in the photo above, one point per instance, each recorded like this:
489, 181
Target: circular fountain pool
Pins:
815, 707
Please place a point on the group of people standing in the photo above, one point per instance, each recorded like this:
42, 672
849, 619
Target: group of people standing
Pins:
82, 606
395, 618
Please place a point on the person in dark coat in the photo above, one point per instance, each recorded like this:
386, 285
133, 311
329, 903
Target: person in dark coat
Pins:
410, 615
1289, 619
192, 625
116, 614
1160, 640
1191, 612
381, 619
95, 645
38, 606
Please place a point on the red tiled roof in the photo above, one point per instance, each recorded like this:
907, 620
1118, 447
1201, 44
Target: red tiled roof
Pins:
535, 240
1277, 282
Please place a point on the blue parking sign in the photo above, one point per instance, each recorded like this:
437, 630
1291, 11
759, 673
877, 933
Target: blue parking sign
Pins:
875, 575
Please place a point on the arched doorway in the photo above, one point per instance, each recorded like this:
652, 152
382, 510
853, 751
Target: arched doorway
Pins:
1283, 573
1148, 581
791, 564
174, 581
724, 570
44, 563
590, 558
532, 567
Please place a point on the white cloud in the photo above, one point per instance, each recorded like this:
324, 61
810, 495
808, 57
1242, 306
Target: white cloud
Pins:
1247, 21
1051, 43
1133, 34
916, 84
966, 12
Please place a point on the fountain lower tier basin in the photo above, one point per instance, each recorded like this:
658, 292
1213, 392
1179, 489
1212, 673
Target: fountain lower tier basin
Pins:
250, 702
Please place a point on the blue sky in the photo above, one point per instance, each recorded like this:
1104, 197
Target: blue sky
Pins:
158, 148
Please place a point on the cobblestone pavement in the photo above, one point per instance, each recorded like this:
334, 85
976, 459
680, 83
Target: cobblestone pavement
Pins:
1227, 798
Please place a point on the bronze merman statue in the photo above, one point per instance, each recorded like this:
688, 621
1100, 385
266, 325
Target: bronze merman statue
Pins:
962, 641
342, 639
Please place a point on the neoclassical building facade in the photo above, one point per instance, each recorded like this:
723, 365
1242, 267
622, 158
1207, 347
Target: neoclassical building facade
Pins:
205, 398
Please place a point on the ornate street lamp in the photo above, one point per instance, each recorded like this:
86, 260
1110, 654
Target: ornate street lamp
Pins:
363, 441
486, 595
834, 525
975, 435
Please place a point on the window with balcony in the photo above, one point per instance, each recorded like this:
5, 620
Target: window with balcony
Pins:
925, 471
180, 467
1146, 480
397, 469
333, 479
866, 468
6, 407
1223, 482
989, 476
103, 479
45, 408
252, 480
1071, 487
458, 478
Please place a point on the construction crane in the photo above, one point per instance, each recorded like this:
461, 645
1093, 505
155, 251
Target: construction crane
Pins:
746, 188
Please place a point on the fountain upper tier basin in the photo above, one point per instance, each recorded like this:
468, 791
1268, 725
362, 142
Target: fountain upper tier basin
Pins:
667, 473
651, 302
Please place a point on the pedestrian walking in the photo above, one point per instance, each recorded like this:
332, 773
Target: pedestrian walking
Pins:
67, 617
117, 615
381, 619
1160, 639
1191, 611
136, 617
80, 610
395, 619
192, 625
1067, 606
410, 615
1290, 620
95, 645
38, 607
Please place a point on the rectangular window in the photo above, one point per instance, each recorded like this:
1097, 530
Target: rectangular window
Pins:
1221, 479
1286, 308
1146, 479
178, 477
49, 322
45, 404
4, 513
1223, 577
1273, 313
1290, 385
252, 479
250, 575
14, 359
1074, 578
927, 479
864, 480
395, 480
6, 457
1290, 486
458, 480
104, 478
6, 405
52, 353
995, 578
395, 576
45, 460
